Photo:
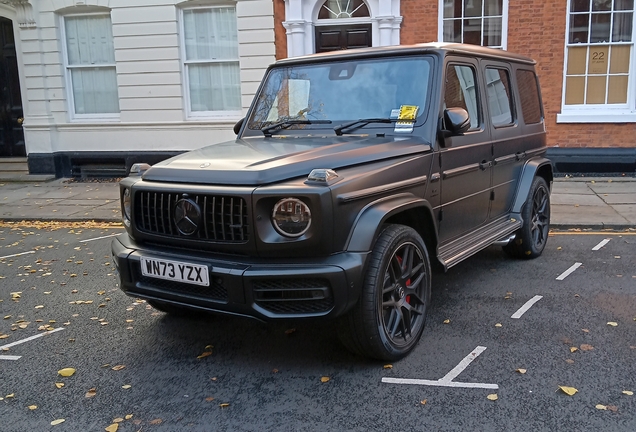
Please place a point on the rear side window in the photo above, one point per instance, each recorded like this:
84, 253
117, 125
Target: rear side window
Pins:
529, 96
461, 91
499, 99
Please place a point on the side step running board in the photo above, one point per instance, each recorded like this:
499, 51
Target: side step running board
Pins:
468, 245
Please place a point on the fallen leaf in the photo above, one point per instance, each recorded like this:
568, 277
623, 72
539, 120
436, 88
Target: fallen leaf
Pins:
209, 399
118, 420
612, 323
573, 349
570, 391
33, 407
423, 402
42, 306
66, 372
57, 422
585, 330
91, 392
612, 408
112, 428
628, 392
498, 325
10, 396
59, 385
492, 397
118, 367
9, 316
521, 371
128, 416
126, 386
601, 407
155, 421
446, 321
324, 379
586, 347
224, 405
204, 354
570, 361
388, 366
208, 347
290, 331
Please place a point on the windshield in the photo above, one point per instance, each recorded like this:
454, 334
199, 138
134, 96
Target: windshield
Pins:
342, 92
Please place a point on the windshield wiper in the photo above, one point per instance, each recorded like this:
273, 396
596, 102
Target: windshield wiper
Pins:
360, 123
269, 129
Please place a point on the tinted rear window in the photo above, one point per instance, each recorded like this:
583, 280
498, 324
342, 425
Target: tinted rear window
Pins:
529, 95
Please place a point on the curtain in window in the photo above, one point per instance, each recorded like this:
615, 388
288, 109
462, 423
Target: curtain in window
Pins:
211, 48
91, 64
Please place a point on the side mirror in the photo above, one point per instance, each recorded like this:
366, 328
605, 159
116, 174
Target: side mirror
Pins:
457, 120
238, 126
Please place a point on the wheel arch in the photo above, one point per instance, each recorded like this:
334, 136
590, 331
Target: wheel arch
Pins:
405, 209
541, 167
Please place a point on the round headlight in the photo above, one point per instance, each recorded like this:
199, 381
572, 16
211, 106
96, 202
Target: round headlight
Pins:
291, 217
127, 204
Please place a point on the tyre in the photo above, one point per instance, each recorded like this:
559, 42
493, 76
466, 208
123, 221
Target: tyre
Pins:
389, 318
532, 237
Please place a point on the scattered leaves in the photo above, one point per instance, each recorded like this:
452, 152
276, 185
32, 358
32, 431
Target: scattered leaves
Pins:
42, 307
57, 422
570, 391
224, 405
569, 361
118, 420
388, 366
204, 354
33, 407
612, 323
628, 392
128, 416
521, 371
423, 402
209, 399
66, 372
126, 386
118, 367
446, 321
601, 407
324, 379
155, 421
112, 428
498, 325
585, 330
59, 385
586, 347
492, 397
573, 349
91, 392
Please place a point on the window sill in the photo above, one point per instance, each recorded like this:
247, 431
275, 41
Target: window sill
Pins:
619, 116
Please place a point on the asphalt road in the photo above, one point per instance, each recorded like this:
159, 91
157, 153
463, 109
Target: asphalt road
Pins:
270, 377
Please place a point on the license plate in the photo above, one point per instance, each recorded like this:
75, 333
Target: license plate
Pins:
177, 271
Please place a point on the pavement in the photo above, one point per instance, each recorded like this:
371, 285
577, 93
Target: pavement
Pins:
594, 203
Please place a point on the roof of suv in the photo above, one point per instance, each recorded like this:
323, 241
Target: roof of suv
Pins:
442, 48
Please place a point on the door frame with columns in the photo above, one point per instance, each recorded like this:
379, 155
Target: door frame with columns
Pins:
302, 18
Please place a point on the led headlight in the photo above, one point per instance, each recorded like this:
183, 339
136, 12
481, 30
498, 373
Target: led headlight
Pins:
291, 217
127, 204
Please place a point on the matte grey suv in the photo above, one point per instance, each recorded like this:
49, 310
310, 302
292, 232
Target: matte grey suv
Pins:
351, 173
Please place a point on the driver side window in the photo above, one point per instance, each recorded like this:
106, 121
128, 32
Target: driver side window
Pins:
461, 91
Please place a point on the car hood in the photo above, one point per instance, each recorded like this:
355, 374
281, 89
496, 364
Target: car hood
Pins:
258, 161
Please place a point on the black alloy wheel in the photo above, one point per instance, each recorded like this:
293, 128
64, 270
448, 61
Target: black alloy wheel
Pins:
532, 237
390, 316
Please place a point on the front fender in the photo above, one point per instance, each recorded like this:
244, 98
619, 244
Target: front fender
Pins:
370, 220
537, 166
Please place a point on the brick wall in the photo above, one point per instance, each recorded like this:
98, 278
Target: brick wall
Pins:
536, 29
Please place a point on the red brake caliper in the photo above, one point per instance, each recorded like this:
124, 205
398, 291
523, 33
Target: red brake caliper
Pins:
408, 282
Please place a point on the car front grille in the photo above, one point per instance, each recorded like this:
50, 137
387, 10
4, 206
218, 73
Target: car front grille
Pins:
293, 296
224, 219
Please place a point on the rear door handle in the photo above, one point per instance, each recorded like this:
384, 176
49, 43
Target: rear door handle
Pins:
485, 164
520, 155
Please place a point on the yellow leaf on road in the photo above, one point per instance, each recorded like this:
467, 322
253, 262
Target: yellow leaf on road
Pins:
612, 323
423, 402
601, 407
91, 392
128, 416
66, 372
446, 321
498, 325
573, 349
492, 397
118, 420
324, 379
570, 391
521, 371
204, 354
126, 387
224, 405
39, 307
112, 428
586, 347
628, 392
57, 422
388, 366
118, 367
59, 385
9, 396
33, 407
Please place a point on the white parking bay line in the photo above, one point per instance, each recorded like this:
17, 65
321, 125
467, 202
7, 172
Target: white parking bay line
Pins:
447, 380
18, 254
601, 244
6, 357
523, 309
98, 238
569, 271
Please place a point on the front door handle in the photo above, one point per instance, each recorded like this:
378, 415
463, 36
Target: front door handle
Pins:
520, 155
485, 164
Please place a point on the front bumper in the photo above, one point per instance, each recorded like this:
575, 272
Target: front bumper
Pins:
265, 289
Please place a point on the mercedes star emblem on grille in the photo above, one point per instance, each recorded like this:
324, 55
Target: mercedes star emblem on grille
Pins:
187, 216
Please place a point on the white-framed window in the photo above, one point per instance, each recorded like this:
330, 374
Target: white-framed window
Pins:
477, 22
89, 60
211, 61
599, 67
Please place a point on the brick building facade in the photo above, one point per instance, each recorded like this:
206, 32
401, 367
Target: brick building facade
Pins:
581, 136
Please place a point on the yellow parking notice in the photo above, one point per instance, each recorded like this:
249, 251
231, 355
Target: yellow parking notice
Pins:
408, 112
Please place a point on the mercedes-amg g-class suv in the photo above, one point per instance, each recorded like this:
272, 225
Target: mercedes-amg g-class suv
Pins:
352, 173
